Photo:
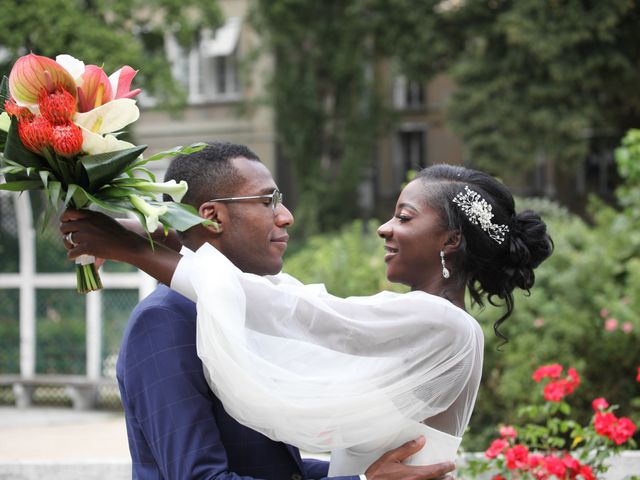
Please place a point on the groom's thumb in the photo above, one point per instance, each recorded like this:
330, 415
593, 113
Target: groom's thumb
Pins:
407, 449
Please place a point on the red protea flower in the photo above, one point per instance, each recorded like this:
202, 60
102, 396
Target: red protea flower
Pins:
66, 140
57, 107
35, 134
15, 110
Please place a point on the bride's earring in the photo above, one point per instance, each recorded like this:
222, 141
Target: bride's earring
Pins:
445, 271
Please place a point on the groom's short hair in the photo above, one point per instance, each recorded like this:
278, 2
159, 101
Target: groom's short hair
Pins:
209, 172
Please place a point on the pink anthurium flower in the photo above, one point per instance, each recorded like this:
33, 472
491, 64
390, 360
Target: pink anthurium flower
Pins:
32, 75
95, 89
121, 82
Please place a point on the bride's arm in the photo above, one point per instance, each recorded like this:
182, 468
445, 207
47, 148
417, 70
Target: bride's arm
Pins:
96, 234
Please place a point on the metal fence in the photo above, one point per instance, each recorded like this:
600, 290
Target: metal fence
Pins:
46, 327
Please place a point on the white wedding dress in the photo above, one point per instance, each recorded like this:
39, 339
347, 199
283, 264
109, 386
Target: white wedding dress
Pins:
355, 376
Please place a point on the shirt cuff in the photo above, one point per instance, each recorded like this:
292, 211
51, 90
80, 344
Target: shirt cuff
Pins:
181, 282
363, 477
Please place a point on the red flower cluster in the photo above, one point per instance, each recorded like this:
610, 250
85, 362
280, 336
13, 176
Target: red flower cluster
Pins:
53, 128
638, 377
542, 467
608, 425
557, 390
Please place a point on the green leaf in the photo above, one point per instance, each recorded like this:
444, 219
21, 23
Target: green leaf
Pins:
181, 216
71, 190
20, 185
4, 92
195, 147
116, 207
102, 168
44, 176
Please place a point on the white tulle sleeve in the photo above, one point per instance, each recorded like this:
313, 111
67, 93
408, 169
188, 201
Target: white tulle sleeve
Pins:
322, 372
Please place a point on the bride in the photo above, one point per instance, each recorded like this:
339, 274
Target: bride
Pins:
360, 375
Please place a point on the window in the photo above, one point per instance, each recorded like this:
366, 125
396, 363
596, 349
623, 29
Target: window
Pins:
209, 71
412, 149
408, 94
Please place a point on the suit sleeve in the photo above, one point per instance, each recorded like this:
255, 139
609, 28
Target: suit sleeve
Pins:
171, 399
318, 470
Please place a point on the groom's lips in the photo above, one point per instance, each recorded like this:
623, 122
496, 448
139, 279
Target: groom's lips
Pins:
281, 240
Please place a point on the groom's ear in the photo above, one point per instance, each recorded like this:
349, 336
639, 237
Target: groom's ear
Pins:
217, 212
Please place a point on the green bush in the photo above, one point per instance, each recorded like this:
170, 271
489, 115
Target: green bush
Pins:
593, 276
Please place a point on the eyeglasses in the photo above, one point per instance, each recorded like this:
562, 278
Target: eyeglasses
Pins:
275, 199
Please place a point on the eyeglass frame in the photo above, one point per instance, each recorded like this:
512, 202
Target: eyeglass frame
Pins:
276, 198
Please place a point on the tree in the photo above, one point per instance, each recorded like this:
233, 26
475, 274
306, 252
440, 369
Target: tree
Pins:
325, 95
539, 83
109, 33
551, 80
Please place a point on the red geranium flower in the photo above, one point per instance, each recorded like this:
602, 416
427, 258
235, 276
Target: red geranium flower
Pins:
507, 431
623, 430
550, 371
586, 473
517, 457
496, 448
555, 466
604, 423
599, 404
638, 377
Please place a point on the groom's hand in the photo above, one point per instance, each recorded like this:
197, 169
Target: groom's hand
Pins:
390, 467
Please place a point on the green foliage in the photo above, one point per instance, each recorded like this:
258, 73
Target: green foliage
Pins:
349, 262
593, 276
554, 79
326, 98
109, 34
537, 83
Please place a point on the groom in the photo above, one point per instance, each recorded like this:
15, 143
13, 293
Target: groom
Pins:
177, 428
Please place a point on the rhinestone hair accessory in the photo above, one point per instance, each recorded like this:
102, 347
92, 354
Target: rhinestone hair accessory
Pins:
478, 211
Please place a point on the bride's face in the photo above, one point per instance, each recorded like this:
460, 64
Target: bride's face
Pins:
413, 239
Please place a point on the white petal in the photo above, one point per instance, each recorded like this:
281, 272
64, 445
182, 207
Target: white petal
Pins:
94, 143
72, 65
114, 78
5, 122
110, 117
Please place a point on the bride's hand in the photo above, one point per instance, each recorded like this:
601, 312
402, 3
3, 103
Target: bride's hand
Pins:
390, 467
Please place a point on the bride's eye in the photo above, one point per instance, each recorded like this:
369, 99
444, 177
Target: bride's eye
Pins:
403, 218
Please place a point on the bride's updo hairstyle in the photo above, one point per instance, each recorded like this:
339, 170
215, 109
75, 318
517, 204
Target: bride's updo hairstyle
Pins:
499, 248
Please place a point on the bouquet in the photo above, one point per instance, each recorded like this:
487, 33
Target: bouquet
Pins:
553, 445
59, 126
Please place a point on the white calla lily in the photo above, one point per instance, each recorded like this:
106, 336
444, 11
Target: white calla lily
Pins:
175, 190
151, 213
94, 143
5, 122
110, 117
72, 65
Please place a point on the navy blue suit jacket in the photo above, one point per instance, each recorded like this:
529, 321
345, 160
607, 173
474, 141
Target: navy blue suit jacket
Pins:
176, 427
